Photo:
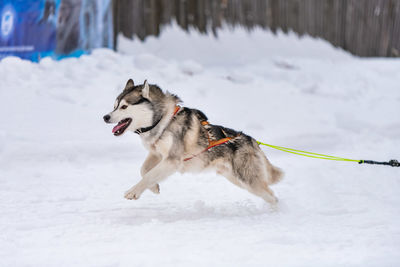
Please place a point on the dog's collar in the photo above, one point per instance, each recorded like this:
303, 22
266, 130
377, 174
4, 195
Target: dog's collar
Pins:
146, 129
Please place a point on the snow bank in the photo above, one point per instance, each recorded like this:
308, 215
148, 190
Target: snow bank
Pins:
63, 173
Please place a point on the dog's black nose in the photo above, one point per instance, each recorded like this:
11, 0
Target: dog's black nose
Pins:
106, 118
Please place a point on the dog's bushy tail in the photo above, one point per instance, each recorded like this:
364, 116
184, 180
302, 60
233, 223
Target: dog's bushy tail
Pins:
275, 174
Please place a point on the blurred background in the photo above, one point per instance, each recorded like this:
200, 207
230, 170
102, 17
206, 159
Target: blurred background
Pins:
33, 29
365, 28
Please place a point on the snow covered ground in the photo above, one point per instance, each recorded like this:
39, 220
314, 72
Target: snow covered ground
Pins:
63, 173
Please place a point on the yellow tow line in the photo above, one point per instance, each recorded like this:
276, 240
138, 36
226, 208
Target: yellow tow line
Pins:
393, 162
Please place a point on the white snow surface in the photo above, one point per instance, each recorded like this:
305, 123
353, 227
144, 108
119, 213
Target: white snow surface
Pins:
63, 173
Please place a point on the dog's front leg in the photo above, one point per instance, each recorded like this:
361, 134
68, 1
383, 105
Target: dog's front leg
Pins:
151, 161
161, 171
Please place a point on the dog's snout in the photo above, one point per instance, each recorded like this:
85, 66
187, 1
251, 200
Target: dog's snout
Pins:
107, 118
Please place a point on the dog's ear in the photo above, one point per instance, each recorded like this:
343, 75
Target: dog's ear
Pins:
129, 84
146, 90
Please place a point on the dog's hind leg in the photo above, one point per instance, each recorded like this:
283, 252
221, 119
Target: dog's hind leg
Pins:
257, 187
227, 173
256, 181
247, 170
260, 188
151, 161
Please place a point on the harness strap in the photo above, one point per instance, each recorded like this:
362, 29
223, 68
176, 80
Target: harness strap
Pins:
211, 143
177, 108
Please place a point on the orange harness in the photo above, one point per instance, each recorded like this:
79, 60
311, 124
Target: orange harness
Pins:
177, 108
211, 143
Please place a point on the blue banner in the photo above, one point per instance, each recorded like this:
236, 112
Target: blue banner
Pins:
33, 29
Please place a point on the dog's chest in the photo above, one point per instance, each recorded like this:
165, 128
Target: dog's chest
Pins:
163, 145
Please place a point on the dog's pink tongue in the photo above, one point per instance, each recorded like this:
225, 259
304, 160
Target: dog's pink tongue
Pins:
118, 126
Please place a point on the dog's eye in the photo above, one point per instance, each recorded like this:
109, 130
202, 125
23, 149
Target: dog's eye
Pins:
124, 107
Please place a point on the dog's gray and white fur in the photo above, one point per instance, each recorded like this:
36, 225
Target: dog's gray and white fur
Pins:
172, 138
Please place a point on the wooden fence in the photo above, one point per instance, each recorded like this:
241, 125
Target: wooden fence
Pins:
363, 27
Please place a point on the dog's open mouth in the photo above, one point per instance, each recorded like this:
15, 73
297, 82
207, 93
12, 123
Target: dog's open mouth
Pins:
121, 126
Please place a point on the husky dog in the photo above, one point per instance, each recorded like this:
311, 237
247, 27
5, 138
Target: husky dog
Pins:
179, 139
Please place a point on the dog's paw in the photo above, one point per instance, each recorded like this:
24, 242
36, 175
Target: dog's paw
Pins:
155, 189
132, 194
